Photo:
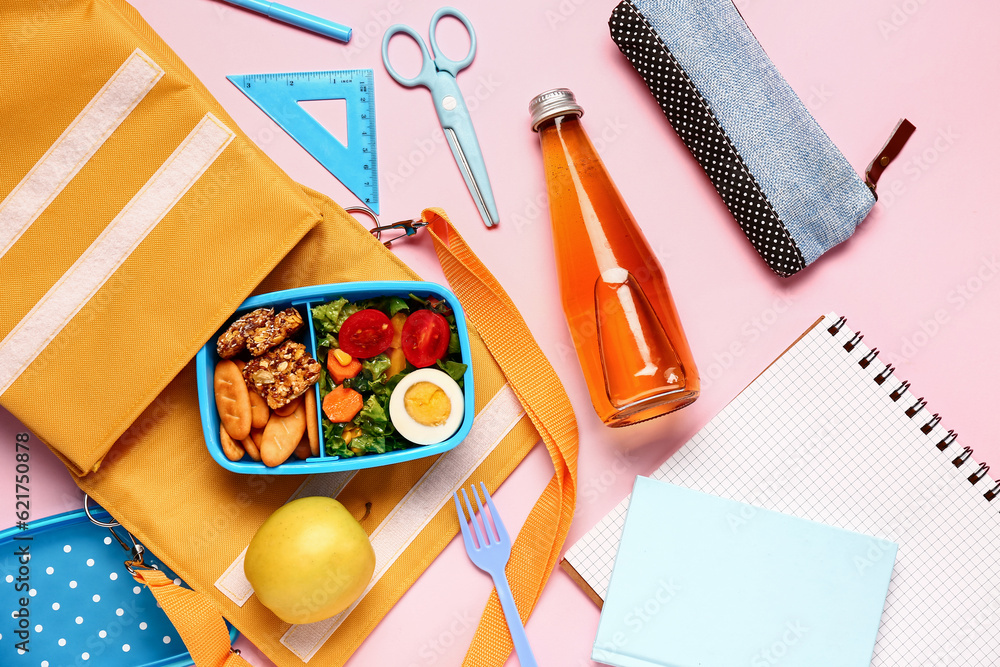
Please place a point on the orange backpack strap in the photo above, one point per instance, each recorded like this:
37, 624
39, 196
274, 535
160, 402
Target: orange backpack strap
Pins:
199, 624
536, 550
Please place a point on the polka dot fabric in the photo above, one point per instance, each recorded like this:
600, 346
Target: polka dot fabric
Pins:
698, 128
83, 607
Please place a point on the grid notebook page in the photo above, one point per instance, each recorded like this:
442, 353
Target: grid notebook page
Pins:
817, 437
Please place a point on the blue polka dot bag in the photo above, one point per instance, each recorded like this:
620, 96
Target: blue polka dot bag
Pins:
791, 190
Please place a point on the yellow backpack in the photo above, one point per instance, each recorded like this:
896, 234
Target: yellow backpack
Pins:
135, 218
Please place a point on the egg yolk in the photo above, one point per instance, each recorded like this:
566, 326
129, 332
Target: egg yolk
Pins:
427, 404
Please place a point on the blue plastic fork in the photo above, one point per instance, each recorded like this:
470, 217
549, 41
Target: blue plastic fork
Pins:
491, 556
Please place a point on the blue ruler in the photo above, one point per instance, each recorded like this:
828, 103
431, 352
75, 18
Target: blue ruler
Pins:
278, 95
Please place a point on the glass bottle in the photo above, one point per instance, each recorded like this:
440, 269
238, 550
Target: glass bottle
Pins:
622, 318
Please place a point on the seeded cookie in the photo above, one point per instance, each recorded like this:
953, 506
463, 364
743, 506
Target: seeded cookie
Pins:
234, 340
287, 323
282, 374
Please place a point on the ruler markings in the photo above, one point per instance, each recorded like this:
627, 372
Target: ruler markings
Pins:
279, 94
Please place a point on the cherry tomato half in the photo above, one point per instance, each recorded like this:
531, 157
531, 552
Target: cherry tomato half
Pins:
425, 338
365, 334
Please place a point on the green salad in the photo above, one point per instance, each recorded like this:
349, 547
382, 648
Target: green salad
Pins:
367, 348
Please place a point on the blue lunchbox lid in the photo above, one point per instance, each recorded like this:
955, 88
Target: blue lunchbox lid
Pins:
82, 606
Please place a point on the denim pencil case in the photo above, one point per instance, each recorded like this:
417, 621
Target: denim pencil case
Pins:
791, 190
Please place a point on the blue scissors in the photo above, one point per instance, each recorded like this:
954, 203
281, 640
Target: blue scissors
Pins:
437, 74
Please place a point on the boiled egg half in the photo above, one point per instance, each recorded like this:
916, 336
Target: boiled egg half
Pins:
427, 406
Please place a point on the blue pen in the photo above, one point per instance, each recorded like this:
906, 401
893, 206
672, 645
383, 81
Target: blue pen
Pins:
296, 18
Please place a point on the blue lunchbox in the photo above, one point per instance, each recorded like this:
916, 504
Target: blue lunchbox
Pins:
304, 299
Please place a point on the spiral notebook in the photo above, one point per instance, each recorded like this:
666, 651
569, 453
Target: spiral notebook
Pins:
828, 433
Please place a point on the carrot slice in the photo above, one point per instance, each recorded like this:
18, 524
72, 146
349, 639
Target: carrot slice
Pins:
338, 371
342, 404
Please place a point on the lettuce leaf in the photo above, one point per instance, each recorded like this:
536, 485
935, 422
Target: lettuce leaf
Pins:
373, 418
376, 366
325, 383
327, 342
334, 441
369, 444
346, 312
394, 304
326, 317
453, 369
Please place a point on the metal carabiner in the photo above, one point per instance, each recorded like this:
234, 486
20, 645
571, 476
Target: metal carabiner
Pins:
136, 550
408, 227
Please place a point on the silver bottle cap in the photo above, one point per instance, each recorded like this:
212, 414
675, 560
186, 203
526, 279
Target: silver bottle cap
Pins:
552, 103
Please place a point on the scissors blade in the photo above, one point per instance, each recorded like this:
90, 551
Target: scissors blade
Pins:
473, 170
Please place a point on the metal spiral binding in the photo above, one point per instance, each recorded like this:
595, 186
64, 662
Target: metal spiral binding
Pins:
929, 426
884, 375
963, 457
947, 440
979, 474
866, 361
900, 390
916, 407
992, 493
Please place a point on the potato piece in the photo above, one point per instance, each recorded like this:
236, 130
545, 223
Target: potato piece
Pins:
232, 400
312, 425
281, 436
231, 448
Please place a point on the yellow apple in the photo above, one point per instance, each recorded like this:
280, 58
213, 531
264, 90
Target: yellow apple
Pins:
309, 560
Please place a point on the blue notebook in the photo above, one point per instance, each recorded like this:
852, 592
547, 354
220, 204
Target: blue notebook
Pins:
703, 581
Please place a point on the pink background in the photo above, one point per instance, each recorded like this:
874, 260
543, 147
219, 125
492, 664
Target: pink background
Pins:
919, 278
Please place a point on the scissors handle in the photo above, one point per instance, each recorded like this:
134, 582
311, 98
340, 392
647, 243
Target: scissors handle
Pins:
427, 72
444, 63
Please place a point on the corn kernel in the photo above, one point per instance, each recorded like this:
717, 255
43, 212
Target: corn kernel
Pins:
342, 357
